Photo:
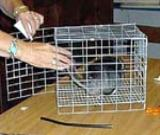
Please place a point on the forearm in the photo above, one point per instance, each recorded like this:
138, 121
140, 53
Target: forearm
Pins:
35, 53
5, 44
5, 41
8, 6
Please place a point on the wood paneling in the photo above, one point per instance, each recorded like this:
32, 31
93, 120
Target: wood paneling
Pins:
153, 33
75, 12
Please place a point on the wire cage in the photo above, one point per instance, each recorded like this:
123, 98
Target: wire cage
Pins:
107, 73
108, 70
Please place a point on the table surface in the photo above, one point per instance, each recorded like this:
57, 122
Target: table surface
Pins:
16, 121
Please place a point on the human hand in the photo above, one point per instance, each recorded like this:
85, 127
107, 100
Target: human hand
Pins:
43, 55
31, 21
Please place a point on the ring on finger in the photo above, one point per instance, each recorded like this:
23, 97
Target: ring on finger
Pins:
54, 62
36, 18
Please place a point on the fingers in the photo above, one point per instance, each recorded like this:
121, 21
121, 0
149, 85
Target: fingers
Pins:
36, 21
40, 18
53, 64
54, 60
34, 26
64, 51
62, 59
59, 61
27, 27
31, 22
61, 51
59, 66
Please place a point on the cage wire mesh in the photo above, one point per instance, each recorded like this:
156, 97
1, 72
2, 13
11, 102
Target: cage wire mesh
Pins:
107, 74
108, 71
24, 80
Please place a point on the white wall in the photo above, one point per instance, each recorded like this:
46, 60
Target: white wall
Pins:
141, 17
147, 17
139, 1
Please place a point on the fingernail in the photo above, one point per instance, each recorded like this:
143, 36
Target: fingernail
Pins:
30, 37
54, 62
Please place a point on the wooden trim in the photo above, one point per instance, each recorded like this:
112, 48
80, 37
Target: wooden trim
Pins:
0, 94
2, 85
153, 33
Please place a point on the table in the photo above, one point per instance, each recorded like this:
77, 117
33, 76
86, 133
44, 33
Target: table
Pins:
27, 121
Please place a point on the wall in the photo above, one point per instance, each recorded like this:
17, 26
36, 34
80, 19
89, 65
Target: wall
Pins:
139, 1
149, 18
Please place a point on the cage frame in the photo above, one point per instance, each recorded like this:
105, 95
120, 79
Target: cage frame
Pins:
73, 107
